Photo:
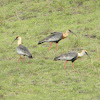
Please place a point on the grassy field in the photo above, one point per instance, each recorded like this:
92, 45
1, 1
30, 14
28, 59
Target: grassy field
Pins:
41, 78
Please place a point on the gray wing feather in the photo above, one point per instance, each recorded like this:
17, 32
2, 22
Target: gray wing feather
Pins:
23, 50
56, 36
68, 56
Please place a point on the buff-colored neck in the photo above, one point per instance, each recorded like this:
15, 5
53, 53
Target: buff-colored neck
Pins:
19, 40
81, 54
65, 34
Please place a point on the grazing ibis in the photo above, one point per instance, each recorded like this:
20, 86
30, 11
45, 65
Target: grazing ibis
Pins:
55, 37
71, 56
22, 50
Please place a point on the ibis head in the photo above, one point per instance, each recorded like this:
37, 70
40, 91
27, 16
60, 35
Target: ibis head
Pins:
17, 38
86, 53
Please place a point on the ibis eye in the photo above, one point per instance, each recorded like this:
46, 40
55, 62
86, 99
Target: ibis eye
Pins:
16, 37
69, 30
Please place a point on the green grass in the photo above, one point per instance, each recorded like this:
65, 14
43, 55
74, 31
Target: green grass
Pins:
41, 78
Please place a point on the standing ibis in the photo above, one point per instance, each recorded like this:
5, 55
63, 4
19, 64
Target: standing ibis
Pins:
71, 56
22, 50
55, 37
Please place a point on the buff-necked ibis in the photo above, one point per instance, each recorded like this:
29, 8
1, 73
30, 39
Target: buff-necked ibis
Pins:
55, 37
22, 50
71, 56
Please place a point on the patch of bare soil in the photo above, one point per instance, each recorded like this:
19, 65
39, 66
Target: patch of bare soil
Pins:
90, 36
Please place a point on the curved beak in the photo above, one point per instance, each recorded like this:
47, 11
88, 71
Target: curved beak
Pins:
14, 40
87, 55
73, 33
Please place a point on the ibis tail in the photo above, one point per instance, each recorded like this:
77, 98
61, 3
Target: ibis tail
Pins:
42, 41
56, 58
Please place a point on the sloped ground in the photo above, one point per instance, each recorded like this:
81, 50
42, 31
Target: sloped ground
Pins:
42, 78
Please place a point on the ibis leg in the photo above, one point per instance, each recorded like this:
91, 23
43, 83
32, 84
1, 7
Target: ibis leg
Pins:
72, 64
23, 58
65, 64
19, 58
50, 46
57, 46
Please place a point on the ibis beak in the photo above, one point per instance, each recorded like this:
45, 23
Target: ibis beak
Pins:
14, 40
73, 33
87, 55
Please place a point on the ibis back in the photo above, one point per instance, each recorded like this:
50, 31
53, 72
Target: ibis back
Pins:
22, 50
54, 37
71, 56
